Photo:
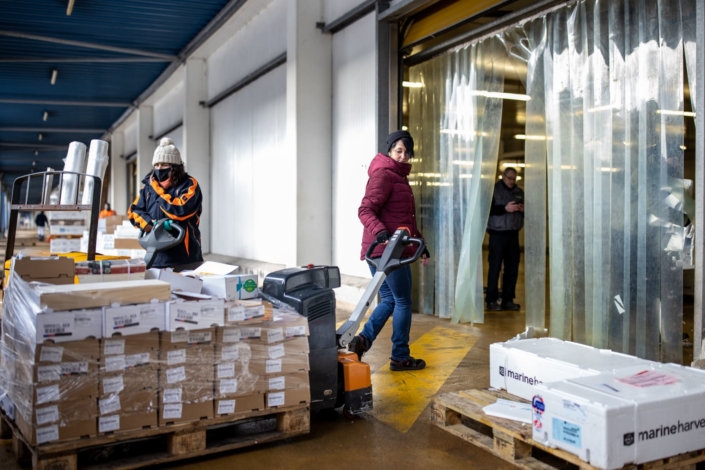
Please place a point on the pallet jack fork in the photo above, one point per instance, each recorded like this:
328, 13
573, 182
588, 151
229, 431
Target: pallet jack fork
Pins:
356, 375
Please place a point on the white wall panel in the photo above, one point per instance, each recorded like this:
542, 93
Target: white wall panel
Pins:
354, 141
253, 188
258, 42
130, 140
337, 8
169, 111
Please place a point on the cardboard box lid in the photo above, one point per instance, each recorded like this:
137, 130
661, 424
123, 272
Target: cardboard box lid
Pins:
58, 271
83, 296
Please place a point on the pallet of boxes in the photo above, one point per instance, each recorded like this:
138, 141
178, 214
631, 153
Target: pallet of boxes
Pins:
66, 229
92, 365
116, 237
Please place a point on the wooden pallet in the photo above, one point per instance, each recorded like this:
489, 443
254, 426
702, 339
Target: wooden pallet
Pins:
461, 415
164, 444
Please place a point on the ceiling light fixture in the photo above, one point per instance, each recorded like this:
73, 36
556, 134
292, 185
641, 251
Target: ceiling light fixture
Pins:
675, 113
513, 165
46, 115
406, 84
69, 8
463, 163
36, 152
40, 137
683, 147
404, 128
504, 96
54, 74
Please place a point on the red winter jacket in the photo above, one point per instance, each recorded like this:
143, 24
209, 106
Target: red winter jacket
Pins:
388, 204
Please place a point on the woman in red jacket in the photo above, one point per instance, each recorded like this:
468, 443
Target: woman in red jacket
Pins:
389, 204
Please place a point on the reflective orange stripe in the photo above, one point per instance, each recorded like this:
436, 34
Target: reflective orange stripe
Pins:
179, 201
134, 216
188, 253
176, 217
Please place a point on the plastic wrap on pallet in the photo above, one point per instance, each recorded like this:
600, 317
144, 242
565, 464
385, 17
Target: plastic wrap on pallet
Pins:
48, 183
110, 270
75, 162
97, 163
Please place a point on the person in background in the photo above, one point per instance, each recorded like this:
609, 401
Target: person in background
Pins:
169, 192
387, 205
106, 212
41, 221
506, 219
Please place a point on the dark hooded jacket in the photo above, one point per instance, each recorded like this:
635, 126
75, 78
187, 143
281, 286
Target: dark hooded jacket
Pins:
182, 204
388, 204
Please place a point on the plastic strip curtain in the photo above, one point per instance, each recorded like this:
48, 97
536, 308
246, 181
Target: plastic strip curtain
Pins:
613, 90
457, 124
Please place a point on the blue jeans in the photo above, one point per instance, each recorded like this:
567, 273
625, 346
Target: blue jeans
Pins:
395, 296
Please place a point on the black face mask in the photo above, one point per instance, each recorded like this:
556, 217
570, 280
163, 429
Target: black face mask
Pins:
162, 174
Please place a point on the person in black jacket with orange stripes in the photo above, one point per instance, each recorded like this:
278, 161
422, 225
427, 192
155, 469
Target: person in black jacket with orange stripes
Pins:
169, 192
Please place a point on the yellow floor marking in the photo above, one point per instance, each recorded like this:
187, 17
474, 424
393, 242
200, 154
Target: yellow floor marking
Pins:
400, 397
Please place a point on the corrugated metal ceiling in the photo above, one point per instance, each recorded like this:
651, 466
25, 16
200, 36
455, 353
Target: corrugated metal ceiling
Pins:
33, 43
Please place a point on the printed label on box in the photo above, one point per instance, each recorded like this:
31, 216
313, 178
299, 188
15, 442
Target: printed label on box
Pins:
274, 335
211, 310
47, 434
199, 337
272, 366
150, 311
114, 363
126, 321
172, 411
275, 352
254, 312
228, 386
47, 415
74, 368
172, 395
135, 360
292, 331
231, 352
48, 394
51, 354
176, 375
226, 371
179, 337
231, 336
109, 405
114, 346
277, 383
113, 385
108, 423
176, 357
48, 373
569, 433
648, 378
226, 407
251, 333
57, 329
236, 313
186, 315
275, 399
574, 411
83, 320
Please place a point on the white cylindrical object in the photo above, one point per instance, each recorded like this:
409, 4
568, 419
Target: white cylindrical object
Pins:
75, 162
48, 183
97, 163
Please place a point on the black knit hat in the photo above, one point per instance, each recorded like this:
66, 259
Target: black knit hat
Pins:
405, 137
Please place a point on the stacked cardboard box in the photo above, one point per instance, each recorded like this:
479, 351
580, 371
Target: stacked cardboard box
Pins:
65, 229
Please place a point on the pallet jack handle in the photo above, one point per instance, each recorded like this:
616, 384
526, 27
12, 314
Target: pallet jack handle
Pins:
389, 262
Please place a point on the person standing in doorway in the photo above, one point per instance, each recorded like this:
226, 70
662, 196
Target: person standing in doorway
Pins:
506, 219
387, 205
106, 212
41, 221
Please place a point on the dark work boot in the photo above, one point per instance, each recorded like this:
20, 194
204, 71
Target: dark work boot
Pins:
509, 305
493, 306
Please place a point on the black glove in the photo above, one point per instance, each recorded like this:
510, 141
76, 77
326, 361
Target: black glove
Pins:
425, 252
382, 237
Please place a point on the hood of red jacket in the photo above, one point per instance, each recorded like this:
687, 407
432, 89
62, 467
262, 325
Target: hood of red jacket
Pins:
385, 162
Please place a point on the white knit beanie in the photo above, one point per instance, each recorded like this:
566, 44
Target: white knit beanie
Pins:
167, 153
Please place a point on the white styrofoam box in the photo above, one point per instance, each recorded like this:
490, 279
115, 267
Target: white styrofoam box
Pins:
610, 423
133, 319
138, 254
62, 327
178, 282
517, 366
105, 241
63, 245
68, 215
231, 286
67, 229
195, 314
127, 231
